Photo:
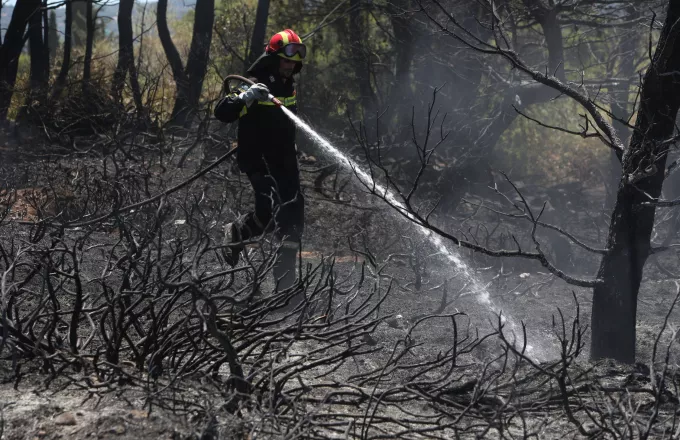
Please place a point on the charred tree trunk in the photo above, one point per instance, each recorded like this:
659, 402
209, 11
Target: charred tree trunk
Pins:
527, 96
360, 60
404, 47
620, 107
39, 56
89, 43
11, 50
259, 30
126, 61
79, 25
53, 37
39, 74
46, 37
547, 18
169, 48
614, 312
66, 60
189, 89
174, 59
521, 97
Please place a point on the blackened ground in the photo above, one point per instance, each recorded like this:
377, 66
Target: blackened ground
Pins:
360, 234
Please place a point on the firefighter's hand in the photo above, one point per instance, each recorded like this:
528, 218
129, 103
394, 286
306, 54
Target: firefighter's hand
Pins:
258, 92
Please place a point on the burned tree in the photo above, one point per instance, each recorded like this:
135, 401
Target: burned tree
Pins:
616, 286
60, 82
89, 45
126, 59
360, 58
189, 79
258, 35
40, 61
10, 50
642, 176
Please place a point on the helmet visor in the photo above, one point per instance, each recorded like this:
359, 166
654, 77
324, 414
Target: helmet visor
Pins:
292, 49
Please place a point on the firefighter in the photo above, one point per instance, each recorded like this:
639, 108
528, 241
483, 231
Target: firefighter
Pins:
267, 153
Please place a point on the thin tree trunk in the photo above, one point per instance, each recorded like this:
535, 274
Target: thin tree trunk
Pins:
547, 18
521, 98
11, 50
38, 49
66, 60
46, 36
79, 27
53, 38
614, 311
126, 61
189, 91
38, 76
171, 53
258, 38
360, 60
89, 43
404, 45
169, 48
620, 106
124, 48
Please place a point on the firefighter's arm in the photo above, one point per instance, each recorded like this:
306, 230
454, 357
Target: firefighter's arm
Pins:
229, 107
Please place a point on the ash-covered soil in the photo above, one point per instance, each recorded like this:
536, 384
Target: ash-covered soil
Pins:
423, 301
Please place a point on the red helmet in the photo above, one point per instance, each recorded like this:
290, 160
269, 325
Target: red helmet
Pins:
288, 45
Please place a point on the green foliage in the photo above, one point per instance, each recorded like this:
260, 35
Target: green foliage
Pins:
328, 84
548, 155
21, 85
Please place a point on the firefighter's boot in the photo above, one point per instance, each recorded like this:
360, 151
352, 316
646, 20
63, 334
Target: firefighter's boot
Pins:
285, 270
232, 243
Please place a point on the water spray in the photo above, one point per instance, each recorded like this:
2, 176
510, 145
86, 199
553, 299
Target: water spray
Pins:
482, 294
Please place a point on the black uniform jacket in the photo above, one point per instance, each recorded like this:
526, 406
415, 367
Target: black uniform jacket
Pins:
266, 136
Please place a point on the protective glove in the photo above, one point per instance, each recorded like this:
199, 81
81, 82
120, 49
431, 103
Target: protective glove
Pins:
258, 92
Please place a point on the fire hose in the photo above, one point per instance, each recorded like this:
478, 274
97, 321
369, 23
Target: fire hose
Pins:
247, 81
159, 196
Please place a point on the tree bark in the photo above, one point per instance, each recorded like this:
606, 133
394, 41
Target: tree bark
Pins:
614, 311
79, 26
11, 50
534, 94
169, 48
171, 54
66, 60
405, 36
360, 60
521, 97
46, 37
189, 88
126, 55
547, 18
53, 37
39, 57
89, 43
258, 38
620, 106
39, 73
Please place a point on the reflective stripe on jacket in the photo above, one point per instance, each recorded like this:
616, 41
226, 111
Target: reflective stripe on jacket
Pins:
266, 136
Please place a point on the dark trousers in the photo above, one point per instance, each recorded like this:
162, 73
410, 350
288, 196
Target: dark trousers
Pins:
279, 205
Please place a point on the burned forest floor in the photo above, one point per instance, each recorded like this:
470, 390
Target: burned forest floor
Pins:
120, 318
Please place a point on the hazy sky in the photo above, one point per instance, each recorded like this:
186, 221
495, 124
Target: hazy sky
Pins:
108, 2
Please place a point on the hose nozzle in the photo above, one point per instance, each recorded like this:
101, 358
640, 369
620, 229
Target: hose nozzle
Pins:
274, 100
